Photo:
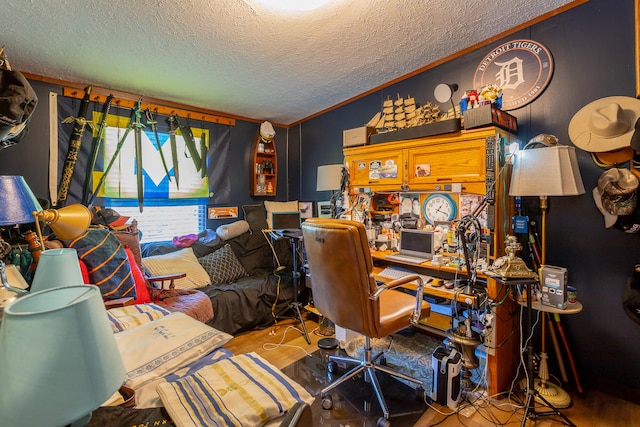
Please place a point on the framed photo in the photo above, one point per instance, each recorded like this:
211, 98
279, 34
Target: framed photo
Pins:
306, 209
324, 209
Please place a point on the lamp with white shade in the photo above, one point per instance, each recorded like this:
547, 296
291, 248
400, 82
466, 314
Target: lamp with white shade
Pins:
548, 171
330, 179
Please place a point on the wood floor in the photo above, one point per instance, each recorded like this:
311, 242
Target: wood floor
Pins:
285, 344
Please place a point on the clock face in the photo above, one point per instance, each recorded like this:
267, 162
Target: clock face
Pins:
439, 207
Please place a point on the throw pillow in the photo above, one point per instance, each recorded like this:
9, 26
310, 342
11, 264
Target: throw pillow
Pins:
131, 240
182, 261
256, 216
222, 266
252, 393
142, 292
271, 207
107, 262
229, 231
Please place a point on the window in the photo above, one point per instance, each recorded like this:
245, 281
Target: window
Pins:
170, 207
162, 223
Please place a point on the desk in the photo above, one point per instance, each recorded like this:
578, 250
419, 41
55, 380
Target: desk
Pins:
502, 364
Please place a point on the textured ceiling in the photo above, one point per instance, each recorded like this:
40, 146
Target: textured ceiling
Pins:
237, 57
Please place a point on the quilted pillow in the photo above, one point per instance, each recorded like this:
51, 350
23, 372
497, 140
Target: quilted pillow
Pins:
222, 266
106, 261
182, 261
271, 207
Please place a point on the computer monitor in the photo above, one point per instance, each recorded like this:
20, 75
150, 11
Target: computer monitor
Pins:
285, 220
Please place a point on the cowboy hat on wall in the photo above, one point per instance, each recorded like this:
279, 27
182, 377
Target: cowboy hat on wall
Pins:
606, 124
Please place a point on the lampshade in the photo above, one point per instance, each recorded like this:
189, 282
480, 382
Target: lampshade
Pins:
57, 267
547, 171
16, 201
329, 177
58, 358
68, 222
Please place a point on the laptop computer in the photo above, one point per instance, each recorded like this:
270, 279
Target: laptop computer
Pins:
286, 223
416, 246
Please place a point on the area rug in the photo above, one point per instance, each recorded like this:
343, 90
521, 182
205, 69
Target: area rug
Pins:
354, 401
409, 354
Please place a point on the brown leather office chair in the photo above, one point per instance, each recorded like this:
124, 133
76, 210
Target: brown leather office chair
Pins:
345, 291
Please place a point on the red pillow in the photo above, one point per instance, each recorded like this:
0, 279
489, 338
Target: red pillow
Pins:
84, 270
142, 292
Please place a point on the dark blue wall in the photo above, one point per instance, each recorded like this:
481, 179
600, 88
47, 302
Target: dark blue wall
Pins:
593, 49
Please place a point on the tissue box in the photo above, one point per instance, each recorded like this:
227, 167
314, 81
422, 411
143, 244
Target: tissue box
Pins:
553, 289
489, 115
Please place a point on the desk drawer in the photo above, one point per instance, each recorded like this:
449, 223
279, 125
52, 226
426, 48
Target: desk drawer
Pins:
438, 321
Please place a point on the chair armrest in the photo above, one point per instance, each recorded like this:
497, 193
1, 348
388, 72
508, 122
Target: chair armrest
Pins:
299, 415
119, 302
158, 282
415, 317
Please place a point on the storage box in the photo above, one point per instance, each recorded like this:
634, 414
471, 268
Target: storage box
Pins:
489, 115
553, 289
357, 136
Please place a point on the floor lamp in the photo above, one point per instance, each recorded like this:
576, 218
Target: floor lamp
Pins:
545, 172
330, 179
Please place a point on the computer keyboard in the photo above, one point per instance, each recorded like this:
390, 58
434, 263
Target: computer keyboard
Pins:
395, 273
406, 258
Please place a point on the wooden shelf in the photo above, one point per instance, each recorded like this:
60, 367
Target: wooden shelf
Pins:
263, 170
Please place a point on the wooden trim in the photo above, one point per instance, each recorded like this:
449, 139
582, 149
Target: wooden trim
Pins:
126, 98
451, 57
158, 109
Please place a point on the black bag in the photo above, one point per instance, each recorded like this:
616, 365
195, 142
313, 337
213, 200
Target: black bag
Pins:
17, 102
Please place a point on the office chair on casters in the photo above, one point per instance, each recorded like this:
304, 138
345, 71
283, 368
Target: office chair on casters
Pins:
345, 291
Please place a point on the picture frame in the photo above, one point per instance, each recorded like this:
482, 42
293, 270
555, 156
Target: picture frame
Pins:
306, 209
324, 209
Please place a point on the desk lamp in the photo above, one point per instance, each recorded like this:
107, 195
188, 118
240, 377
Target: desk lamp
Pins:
544, 168
17, 202
59, 360
330, 179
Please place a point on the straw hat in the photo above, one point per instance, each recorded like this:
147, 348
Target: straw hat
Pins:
605, 124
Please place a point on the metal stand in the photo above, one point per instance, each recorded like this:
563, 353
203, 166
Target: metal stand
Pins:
530, 409
295, 305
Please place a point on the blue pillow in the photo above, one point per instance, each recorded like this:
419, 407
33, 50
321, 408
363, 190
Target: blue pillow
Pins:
107, 262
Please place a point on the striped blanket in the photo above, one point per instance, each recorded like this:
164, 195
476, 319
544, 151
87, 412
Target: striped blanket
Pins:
243, 390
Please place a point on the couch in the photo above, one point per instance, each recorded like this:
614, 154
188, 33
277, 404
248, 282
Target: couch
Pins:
246, 273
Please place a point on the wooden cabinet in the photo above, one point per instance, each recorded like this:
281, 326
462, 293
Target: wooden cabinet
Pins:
377, 169
263, 171
431, 163
433, 166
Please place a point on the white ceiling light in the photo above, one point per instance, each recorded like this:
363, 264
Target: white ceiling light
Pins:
290, 5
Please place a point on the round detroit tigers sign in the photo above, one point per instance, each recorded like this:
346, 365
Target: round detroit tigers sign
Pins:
522, 68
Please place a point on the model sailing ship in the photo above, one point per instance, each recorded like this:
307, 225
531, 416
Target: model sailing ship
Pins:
403, 113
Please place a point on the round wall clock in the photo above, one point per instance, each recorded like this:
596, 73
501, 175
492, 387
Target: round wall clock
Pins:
439, 207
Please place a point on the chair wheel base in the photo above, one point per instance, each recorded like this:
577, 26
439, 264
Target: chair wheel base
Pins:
383, 422
327, 401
